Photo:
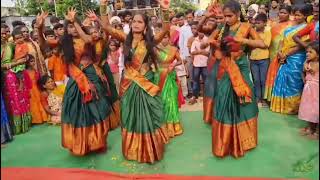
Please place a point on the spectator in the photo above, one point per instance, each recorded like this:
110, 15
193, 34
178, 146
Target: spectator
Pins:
274, 10
259, 59
185, 34
200, 62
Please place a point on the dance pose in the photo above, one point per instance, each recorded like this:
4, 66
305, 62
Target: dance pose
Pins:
166, 79
235, 111
144, 133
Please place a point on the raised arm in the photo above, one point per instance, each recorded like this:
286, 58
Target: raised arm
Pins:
71, 17
165, 13
40, 26
117, 34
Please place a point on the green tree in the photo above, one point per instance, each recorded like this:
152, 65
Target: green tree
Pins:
33, 7
182, 5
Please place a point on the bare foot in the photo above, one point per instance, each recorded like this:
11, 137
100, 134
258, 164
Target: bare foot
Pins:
305, 131
192, 101
3, 146
313, 136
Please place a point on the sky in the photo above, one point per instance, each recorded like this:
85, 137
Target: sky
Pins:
7, 3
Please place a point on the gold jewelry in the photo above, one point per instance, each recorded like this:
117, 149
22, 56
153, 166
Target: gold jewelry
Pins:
165, 15
221, 33
103, 10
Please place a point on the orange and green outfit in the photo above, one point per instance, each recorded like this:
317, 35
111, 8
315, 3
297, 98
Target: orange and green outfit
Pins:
101, 51
144, 133
167, 82
234, 108
17, 85
86, 109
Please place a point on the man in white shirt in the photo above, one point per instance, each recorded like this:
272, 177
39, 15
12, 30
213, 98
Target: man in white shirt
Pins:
200, 62
185, 34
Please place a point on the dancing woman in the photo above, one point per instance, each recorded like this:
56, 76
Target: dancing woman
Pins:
235, 112
86, 108
99, 44
288, 84
166, 79
144, 134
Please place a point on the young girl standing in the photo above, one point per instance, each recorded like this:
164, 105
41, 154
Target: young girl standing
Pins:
38, 113
113, 59
309, 106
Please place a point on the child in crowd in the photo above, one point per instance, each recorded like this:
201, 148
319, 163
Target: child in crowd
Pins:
51, 98
20, 52
259, 59
38, 113
57, 67
114, 60
309, 106
47, 55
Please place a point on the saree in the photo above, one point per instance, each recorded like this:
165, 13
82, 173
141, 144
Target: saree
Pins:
277, 36
144, 133
113, 96
86, 108
289, 84
167, 82
17, 96
235, 111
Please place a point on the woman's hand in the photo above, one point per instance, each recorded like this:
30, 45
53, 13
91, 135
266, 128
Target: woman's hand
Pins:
104, 2
40, 19
92, 15
165, 4
71, 14
21, 61
171, 67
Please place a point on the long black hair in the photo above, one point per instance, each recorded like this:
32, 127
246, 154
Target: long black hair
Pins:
234, 7
67, 46
286, 7
66, 43
151, 57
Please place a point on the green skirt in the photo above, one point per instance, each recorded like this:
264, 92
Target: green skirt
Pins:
113, 98
114, 94
169, 96
85, 126
234, 127
143, 128
209, 93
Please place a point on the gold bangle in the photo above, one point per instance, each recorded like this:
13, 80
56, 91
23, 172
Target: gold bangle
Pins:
165, 15
103, 10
